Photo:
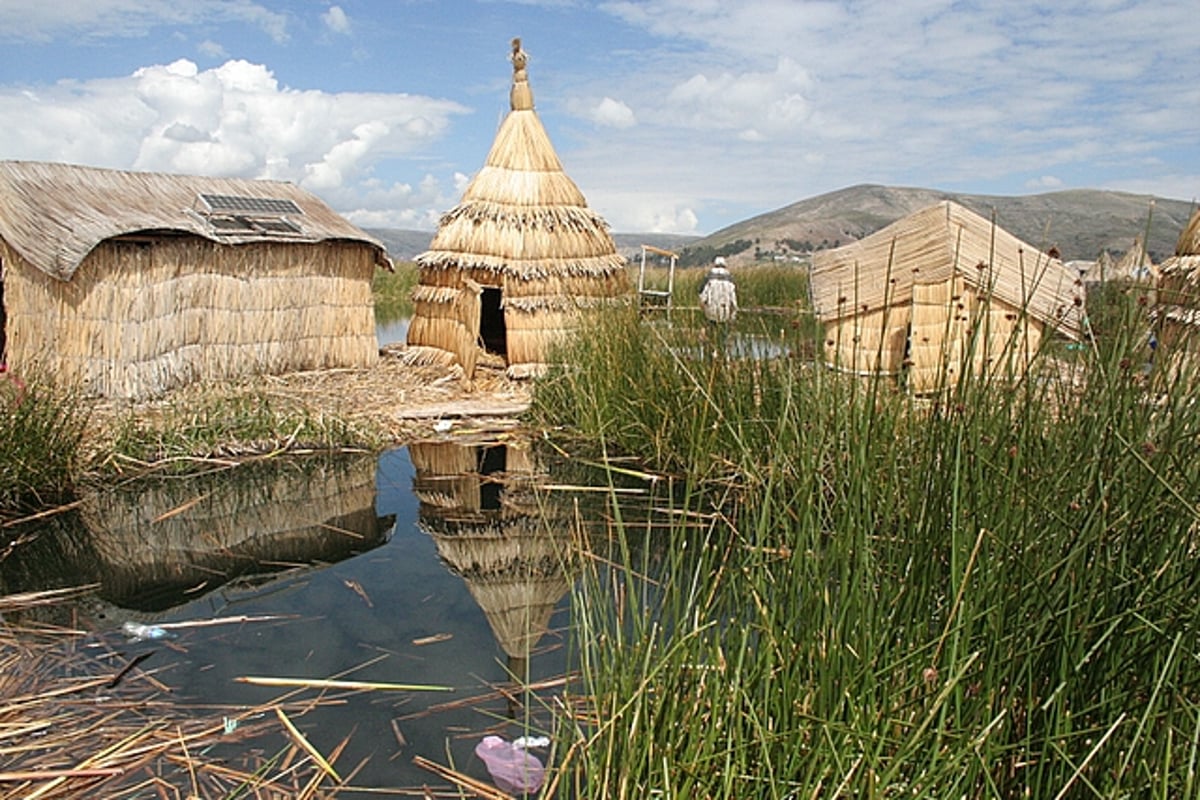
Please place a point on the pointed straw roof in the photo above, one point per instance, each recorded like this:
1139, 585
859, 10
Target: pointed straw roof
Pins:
1136, 264
521, 215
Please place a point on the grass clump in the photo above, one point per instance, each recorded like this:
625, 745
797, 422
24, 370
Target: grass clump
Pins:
41, 433
228, 423
989, 593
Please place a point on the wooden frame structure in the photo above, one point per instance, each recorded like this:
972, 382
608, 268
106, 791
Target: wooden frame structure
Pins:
656, 298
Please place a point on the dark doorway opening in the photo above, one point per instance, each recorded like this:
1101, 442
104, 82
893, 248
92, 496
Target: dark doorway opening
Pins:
491, 322
493, 461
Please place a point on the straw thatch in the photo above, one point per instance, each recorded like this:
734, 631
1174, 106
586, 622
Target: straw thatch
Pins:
1178, 297
516, 260
511, 560
132, 284
938, 287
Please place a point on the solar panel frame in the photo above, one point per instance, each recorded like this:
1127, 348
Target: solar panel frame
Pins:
235, 204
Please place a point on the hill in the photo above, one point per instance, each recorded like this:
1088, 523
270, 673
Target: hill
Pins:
1079, 222
404, 245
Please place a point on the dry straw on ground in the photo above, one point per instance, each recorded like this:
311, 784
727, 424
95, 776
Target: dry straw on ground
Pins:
79, 718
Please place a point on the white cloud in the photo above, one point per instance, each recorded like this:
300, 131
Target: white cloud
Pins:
611, 113
233, 120
336, 20
38, 20
646, 211
1044, 182
768, 102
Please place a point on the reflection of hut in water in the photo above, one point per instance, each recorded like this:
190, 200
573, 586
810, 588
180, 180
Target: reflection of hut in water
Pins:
479, 504
155, 543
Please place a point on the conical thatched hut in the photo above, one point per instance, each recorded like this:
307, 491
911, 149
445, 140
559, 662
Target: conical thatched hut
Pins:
936, 291
1179, 294
513, 263
131, 284
1136, 265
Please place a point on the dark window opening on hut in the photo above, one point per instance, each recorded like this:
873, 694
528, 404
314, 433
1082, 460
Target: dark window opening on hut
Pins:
491, 322
493, 461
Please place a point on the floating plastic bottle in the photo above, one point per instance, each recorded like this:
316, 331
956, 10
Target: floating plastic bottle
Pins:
513, 769
137, 632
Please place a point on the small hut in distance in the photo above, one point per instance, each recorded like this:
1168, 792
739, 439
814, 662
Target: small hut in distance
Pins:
937, 292
513, 264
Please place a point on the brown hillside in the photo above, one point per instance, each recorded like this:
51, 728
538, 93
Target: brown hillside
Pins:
1079, 222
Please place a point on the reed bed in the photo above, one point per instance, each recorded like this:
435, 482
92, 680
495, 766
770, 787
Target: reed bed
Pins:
986, 594
80, 718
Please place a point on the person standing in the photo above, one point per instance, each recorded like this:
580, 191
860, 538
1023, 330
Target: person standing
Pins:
718, 294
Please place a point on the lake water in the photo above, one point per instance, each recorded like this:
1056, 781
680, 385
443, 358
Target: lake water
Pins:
438, 563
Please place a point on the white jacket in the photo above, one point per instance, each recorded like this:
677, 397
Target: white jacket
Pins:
718, 296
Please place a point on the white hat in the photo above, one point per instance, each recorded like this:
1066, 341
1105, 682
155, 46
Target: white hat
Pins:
719, 261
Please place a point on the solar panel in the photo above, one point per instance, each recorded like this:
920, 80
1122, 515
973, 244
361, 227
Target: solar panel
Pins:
230, 203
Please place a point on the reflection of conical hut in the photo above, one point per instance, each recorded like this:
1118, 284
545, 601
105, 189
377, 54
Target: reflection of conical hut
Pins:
513, 263
158, 538
490, 528
1179, 293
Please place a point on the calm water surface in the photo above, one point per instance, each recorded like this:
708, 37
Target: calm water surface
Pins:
433, 564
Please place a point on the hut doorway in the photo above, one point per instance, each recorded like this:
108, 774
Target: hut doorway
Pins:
493, 461
491, 322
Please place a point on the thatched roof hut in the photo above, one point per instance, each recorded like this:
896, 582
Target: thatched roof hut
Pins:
132, 283
939, 289
514, 262
1178, 301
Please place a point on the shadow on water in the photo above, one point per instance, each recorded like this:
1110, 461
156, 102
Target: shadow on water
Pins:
440, 563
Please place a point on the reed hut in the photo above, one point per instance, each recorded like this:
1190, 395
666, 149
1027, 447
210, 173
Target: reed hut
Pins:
513, 264
130, 284
1178, 300
937, 292
479, 505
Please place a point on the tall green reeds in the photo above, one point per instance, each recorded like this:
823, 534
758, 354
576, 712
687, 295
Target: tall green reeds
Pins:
41, 430
990, 593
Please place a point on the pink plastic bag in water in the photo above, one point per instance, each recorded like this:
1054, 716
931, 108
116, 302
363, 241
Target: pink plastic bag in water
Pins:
511, 767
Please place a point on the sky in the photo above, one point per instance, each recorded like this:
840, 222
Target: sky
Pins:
672, 116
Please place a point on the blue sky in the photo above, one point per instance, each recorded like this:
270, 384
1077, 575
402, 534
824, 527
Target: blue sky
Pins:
676, 116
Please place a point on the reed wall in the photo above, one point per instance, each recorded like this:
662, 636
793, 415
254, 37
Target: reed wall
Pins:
142, 317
